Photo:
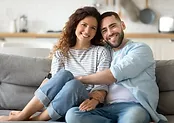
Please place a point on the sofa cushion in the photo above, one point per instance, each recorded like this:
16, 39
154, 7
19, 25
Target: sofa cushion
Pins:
165, 81
165, 75
166, 101
19, 77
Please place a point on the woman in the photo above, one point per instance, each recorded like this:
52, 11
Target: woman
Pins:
77, 51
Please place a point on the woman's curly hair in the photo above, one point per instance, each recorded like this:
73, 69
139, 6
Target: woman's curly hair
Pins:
68, 37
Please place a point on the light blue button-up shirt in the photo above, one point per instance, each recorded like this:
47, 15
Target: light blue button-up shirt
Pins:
134, 68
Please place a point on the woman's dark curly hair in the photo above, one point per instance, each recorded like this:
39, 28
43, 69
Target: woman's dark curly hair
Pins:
68, 37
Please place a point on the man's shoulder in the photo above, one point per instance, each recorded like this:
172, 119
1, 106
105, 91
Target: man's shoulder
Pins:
135, 45
139, 48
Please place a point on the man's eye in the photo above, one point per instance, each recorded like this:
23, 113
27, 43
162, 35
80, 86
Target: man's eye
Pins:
113, 26
103, 31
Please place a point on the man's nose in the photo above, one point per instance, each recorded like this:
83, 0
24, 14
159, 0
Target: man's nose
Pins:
109, 32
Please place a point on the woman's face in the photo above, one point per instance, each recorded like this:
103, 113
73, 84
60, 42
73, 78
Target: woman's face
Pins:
86, 29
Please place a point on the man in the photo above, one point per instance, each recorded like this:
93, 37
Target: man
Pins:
133, 93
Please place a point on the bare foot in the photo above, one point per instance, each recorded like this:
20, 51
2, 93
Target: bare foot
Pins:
4, 118
14, 112
9, 118
16, 117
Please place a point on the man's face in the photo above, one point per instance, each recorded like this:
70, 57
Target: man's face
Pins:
112, 31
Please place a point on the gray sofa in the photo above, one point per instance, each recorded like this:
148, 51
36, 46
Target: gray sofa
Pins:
20, 76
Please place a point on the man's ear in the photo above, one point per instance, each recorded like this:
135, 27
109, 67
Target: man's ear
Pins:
123, 25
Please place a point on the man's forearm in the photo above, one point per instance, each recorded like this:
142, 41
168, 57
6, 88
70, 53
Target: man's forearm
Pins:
102, 77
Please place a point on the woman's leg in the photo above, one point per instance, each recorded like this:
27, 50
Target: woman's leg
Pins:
72, 94
50, 89
32, 107
44, 116
43, 96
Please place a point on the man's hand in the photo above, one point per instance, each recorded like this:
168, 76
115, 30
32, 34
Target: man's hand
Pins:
78, 77
88, 104
98, 95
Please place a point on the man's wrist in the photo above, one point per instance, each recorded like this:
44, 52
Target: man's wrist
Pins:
91, 98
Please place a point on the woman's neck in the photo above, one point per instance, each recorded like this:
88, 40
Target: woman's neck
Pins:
81, 46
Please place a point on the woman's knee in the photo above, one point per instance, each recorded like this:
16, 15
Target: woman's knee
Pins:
64, 73
75, 84
76, 87
61, 77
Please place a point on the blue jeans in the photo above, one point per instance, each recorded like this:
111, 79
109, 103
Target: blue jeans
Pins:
111, 113
61, 93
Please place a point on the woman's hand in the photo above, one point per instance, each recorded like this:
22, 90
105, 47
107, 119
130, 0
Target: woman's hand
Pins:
88, 104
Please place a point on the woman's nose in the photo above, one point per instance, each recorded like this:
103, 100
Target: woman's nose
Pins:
87, 30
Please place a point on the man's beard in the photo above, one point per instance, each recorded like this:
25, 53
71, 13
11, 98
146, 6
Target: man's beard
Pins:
120, 40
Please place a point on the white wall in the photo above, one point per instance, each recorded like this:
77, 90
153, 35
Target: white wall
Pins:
52, 14
42, 14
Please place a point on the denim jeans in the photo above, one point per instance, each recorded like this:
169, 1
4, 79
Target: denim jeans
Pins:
61, 93
112, 113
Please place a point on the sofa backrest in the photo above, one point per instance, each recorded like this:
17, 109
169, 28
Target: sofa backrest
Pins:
19, 77
165, 81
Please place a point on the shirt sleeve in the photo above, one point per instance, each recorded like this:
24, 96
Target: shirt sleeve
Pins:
135, 61
104, 61
57, 63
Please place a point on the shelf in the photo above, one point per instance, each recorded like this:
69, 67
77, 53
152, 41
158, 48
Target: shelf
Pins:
29, 35
149, 35
57, 35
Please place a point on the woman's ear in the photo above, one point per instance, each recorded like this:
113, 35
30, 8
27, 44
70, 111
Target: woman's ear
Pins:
123, 25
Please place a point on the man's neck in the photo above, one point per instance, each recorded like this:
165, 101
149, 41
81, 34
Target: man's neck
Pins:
122, 45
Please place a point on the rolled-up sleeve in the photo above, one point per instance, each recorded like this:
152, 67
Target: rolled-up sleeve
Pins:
135, 59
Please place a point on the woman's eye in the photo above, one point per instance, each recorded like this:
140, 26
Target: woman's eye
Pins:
94, 28
84, 25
